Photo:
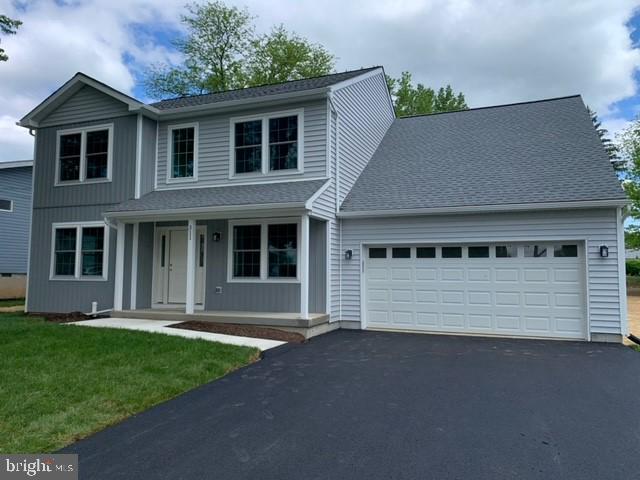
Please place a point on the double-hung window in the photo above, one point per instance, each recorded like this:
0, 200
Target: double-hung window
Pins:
79, 251
267, 144
264, 251
183, 153
84, 155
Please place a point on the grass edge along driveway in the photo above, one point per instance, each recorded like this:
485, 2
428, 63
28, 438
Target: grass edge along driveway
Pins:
60, 383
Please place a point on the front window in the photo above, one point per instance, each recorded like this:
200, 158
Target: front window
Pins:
263, 251
246, 251
248, 146
65, 254
283, 250
182, 152
84, 155
283, 143
79, 251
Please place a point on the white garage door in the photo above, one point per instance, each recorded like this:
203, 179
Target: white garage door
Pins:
532, 290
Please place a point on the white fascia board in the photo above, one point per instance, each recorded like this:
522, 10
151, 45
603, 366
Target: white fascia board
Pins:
356, 79
276, 208
483, 208
314, 197
16, 164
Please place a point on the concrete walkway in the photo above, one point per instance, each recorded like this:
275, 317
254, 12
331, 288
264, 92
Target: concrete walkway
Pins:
158, 326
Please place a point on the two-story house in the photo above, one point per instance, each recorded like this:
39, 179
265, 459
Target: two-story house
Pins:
308, 205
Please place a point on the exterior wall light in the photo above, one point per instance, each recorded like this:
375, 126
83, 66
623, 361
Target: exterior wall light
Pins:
216, 236
604, 251
348, 254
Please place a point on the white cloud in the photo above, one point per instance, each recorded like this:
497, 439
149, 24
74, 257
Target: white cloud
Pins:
493, 51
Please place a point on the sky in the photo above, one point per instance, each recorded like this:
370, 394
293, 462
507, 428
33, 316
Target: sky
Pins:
495, 51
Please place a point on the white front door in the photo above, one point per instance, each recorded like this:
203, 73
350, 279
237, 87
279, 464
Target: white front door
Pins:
170, 279
529, 290
177, 288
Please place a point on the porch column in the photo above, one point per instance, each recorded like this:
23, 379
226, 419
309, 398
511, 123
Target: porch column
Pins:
134, 265
119, 274
304, 267
191, 267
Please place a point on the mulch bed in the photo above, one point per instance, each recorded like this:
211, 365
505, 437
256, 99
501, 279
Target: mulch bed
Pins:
241, 330
62, 317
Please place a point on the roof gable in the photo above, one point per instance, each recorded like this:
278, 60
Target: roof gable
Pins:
84, 86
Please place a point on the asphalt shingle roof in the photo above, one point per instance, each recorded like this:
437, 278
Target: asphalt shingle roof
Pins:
235, 195
261, 91
546, 151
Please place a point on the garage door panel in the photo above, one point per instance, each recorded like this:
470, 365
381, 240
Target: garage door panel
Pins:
514, 296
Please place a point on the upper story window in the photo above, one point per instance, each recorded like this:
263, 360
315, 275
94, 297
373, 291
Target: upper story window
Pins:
183, 153
84, 155
264, 144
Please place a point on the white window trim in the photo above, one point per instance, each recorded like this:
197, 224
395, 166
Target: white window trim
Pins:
264, 251
196, 141
78, 267
10, 209
265, 117
83, 155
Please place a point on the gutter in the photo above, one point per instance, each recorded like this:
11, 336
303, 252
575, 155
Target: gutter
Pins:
514, 207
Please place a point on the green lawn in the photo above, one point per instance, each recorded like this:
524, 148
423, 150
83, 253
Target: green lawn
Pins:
59, 383
12, 303
633, 281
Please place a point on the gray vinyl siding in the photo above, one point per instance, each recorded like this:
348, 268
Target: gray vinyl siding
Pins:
121, 188
62, 296
86, 104
214, 146
317, 266
597, 226
15, 185
252, 297
148, 158
365, 115
145, 265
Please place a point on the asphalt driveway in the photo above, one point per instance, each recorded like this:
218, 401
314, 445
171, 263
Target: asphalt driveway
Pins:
382, 405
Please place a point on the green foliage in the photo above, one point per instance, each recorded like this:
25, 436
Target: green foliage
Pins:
629, 144
419, 100
61, 382
633, 267
8, 26
611, 148
632, 237
281, 56
221, 52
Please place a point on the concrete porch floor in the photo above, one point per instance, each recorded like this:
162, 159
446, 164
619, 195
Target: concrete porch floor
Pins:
317, 323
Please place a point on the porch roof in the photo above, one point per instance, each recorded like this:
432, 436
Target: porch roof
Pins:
294, 194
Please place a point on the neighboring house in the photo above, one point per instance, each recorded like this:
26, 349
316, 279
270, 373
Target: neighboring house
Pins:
632, 253
308, 205
15, 217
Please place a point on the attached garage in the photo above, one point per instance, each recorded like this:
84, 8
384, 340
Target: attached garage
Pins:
515, 289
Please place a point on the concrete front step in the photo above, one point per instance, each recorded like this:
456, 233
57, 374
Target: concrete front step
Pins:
316, 325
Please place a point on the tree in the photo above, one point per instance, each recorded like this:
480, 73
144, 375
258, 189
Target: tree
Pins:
8, 26
611, 148
281, 56
419, 100
629, 149
221, 52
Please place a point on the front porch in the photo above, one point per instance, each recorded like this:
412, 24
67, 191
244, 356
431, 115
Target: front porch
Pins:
252, 268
